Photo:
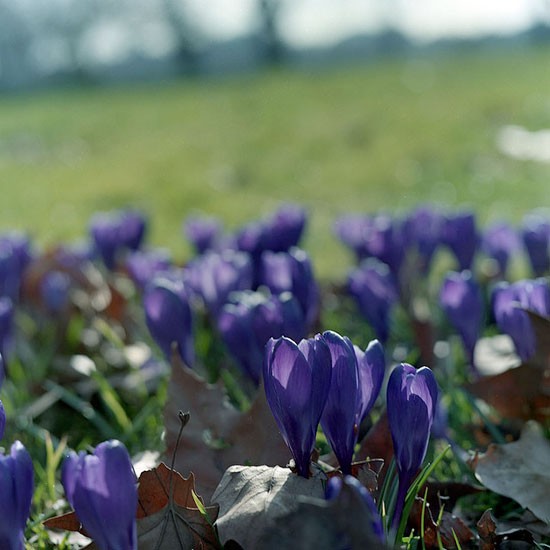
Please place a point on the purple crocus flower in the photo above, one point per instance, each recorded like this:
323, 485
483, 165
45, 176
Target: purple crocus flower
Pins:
15, 256
372, 516
284, 228
116, 232
16, 489
54, 290
411, 403
536, 237
375, 291
460, 235
352, 230
385, 241
339, 419
499, 241
292, 271
6, 333
203, 232
2, 413
144, 265
509, 302
371, 365
422, 231
297, 381
169, 317
462, 302
214, 276
102, 489
251, 320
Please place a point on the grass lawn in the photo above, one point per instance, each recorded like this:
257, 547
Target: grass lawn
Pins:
355, 139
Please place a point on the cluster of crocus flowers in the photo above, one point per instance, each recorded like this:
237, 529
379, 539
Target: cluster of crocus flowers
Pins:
102, 489
322, 379
411, 405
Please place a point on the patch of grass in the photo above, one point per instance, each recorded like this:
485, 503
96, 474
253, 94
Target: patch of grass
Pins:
349, 139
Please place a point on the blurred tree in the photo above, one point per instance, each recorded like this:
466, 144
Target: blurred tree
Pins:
272, 44
186, 34
15, 37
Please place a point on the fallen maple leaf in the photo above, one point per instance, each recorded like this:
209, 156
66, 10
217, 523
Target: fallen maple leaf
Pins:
251, 498
218, 435
519, 470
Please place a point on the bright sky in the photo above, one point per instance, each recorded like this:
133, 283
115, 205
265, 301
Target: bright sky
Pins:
316, 22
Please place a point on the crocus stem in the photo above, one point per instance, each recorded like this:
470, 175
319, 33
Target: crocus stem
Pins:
400, 503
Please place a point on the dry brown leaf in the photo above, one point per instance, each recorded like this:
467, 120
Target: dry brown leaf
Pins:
154, 490
218, 435
541, 328
377, 444
522, 392
65, 522
251, 498
343, 522
519, 470
443, 529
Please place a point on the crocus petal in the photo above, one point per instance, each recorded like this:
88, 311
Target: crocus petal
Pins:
371, 367
339, 415
288, 386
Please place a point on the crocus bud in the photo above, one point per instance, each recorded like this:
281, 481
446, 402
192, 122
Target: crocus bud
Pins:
375, 291
6, 333
372, 516
371, 365
169, 318
422, 232
54, 290
284, 228
117, 232
214, 276
499, 242
15, 256
460, 235
352, 230
144, 265
251, 319
102, 489
297, 381
203, 232
411, 401
16, 490
462, 302
292, 271
509, 302
385, 241
536, 237
339, 419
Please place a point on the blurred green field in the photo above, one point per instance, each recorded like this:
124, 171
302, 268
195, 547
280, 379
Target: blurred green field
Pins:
355, 139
